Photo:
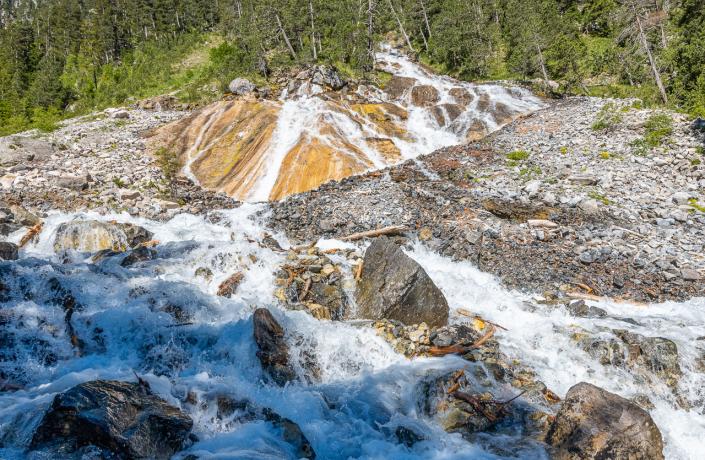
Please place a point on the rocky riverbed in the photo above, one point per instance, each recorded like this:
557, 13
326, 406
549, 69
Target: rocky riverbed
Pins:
509, 270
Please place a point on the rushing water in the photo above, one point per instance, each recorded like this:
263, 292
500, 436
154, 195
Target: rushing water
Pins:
307, 121
365, 388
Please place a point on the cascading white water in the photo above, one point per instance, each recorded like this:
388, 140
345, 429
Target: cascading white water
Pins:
365, 388
306, 116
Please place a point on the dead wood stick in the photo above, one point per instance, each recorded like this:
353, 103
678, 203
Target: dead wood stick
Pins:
467, 313
358, 271
392, 230
597, 298
31, 233
304, 292
472, 400
459, 349
512, 399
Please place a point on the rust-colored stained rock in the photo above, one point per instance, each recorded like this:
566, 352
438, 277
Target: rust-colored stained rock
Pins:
228, 287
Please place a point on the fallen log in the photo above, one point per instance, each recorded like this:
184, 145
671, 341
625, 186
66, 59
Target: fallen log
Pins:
392, 230
31, 233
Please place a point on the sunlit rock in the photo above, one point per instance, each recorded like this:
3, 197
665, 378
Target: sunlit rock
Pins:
394, 286
596, 424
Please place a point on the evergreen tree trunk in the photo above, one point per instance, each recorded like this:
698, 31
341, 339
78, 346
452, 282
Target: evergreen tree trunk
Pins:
286, 38
425, 20
313, 31
401, 26
652, 62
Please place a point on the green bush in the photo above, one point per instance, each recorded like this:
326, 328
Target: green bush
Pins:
657, 128
168, 162
607, 118
518, 155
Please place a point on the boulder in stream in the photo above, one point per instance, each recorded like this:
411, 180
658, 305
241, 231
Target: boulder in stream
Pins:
273, 351
394, 286
95, 235
8, 251
596, 424
124, 418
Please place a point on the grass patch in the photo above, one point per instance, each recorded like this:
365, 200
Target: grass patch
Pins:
599, 197
607, 118
605, 155
168, 162
518, 155
694, 204
657, 128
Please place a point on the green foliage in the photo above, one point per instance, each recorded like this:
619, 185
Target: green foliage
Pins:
168, 162
657, 128
599, 197
694, 204
518, 155
608, 117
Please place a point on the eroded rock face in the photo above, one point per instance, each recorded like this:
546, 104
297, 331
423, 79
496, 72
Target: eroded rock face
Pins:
94, 236
124, 418
393, 286
596, 424
273, 351
424, 95
398, 86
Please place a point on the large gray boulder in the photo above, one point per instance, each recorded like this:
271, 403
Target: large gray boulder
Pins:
124, 418
23, 149
596, 424
241, 86
394, 286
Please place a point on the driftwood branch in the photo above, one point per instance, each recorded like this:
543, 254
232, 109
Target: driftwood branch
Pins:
461, 350
392, 230
31, 233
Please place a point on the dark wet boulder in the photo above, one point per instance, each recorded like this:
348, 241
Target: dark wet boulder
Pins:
394, 286
445, 114
141, 254
327, 76
237, 412
8, 251
135, 234
596, 424
649, 357
124, 418
273, 350
462, 96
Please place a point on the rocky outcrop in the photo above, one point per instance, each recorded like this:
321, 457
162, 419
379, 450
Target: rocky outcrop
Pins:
125, 419
424, 95
273, 350
8, 251
596, 424
310, 281
393, 286
398, 86
241, 86
94, 236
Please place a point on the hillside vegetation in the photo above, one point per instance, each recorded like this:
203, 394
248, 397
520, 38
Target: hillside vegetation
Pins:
65, 57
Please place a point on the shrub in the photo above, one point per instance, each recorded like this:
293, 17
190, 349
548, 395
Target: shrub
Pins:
608, 117
657, 128
518, 155
168, 162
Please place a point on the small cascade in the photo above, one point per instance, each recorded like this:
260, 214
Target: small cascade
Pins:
162, 319
267, 150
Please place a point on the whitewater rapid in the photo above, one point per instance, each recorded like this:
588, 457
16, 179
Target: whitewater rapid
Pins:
350, 127
365, 390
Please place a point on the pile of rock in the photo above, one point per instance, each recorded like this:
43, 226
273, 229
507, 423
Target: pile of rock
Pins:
311, 281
